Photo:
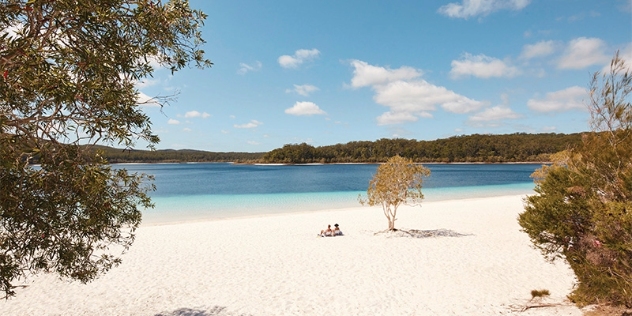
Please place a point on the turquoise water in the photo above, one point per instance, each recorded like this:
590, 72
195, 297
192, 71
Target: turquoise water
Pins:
189, 192
186, 208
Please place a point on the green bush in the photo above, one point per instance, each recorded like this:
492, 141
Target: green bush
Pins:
582, 209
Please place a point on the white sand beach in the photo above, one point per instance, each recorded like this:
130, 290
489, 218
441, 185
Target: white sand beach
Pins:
275, 265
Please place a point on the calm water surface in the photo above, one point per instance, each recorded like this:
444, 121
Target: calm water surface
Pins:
217, 190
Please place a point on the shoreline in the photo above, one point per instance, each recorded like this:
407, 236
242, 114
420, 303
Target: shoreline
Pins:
334, 209
275, 265
333, 163
221, 207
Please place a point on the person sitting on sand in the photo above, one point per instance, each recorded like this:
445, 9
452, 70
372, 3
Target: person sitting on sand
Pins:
337, 231
327, 232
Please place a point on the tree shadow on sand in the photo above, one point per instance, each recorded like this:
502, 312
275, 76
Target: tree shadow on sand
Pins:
213, 311
416, 233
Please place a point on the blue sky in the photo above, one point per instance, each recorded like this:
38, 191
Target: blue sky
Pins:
327, 72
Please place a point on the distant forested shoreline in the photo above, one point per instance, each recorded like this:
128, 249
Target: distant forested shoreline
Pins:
115, 155
476, 148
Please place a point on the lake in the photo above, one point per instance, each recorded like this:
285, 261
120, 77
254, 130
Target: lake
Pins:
196, 191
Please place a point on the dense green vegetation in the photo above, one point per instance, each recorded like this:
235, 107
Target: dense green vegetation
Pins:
473, 148
114, 155
70, 71
582, 209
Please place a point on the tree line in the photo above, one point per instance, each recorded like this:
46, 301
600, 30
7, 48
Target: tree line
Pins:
115, 155
518, 147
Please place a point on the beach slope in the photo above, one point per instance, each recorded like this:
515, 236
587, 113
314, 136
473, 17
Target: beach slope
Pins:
479, 264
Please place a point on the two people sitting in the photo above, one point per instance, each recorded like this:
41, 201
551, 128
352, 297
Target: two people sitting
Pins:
331, 232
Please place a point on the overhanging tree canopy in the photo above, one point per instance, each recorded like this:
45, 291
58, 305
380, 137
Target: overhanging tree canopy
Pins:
69, 70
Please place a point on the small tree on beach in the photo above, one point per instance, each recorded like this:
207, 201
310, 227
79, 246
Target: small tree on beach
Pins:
397, 182
582, 209
68, 76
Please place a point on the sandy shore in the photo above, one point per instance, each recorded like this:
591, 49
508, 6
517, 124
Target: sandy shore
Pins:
275, 265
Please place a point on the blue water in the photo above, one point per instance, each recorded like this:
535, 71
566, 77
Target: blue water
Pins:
219, 190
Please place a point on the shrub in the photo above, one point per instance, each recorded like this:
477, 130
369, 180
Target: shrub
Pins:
539, 293
582, 209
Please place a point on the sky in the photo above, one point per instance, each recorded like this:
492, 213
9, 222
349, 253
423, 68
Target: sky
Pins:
327, 72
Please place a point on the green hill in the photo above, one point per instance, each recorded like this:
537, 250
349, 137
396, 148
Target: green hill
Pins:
519, 147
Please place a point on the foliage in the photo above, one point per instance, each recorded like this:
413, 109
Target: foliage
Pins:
540, 293
114, 155
472, 148
69, 70
398, 181
582, 209
518, 147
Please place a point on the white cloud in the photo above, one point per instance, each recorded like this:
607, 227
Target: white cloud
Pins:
580, 16
303, 90
173, 122
407, 97
420, 97
583, 52
186, 129
251, 124
245, 68
539, 49
389, 118
471, 8
481, 66
368, 75
562, 100
304, 108
192, 114
154, 62
146, 101
299, 57
146, 83
496, 113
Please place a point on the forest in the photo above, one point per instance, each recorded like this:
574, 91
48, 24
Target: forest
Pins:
519, 147
115, 155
